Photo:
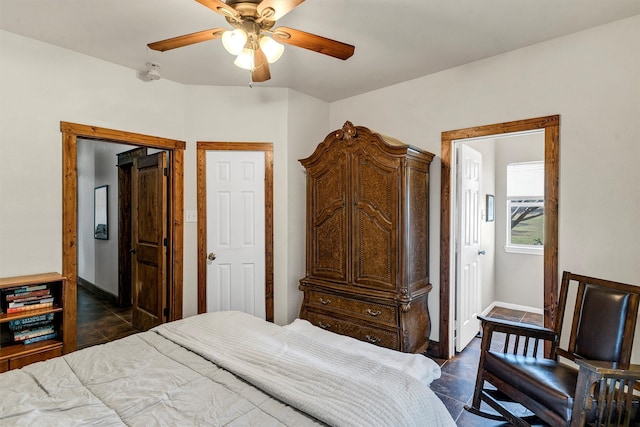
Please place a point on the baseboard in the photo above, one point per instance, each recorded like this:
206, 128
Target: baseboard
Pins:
85, 284
511, 307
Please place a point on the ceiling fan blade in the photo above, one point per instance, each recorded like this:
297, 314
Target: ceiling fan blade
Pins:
276, 9
313, 42
220, 7
187, 39
260, 71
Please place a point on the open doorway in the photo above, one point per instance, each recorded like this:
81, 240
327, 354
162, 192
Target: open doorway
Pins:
174, 245
551, 127
104, 298
498, 227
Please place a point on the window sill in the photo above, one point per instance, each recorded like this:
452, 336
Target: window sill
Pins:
527, 250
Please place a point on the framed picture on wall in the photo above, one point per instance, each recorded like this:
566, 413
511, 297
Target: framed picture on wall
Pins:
490, 208
100, 209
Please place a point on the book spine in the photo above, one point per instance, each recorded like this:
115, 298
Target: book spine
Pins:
28, 297
20, 328
24, 289
22, 294
29, 307
33, 333
27, 303
40, 338
27, 321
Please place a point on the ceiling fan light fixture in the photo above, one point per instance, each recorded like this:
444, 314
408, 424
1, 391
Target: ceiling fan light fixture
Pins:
234, 41
252, 21
245, 60
271, 48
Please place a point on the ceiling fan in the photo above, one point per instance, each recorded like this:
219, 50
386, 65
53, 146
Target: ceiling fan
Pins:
254, 40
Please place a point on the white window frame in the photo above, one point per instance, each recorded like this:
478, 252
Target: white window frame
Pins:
522, 249
515, 248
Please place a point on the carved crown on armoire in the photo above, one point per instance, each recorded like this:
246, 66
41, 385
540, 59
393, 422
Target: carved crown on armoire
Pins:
367, 239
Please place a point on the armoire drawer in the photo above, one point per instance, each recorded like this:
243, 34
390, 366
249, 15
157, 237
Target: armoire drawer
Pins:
369, 311
377, 336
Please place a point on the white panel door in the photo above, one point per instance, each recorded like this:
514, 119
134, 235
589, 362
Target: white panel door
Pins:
235, 231
468, 227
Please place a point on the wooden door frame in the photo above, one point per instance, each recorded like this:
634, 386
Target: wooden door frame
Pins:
70, 134
551, 126
202, 148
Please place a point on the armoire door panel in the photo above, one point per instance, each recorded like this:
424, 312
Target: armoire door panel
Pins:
329, 187
375, 254
327, 216
375, 187
375, 221
329, 249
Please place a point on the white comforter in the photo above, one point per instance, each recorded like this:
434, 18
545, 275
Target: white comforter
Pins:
156, 378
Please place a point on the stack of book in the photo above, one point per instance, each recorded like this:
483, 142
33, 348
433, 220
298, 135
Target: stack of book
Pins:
33, 329
17, 300
29, 297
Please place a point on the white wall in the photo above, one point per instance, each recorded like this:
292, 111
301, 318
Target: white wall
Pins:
107, 251
42, 85
80, 89
592, 80
86, 183
308, 125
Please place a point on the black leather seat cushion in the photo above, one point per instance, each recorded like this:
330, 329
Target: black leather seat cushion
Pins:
547, 382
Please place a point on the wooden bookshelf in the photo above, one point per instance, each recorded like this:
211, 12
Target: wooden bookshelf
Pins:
16, 354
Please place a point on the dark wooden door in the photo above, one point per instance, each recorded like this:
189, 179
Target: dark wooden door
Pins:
125, 166
149, 234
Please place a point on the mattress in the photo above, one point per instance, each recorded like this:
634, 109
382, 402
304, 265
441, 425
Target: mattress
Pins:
225, 368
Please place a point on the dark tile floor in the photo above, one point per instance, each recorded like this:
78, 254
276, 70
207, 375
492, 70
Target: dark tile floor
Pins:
456, 384
100, 321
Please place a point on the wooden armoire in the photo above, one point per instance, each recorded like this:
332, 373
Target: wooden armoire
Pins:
367, 234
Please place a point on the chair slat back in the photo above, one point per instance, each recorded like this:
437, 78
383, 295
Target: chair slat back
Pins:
604, 319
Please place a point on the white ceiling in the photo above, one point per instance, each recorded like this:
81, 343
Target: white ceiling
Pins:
395, 40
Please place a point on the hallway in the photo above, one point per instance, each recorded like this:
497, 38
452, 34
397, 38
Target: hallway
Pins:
100, 321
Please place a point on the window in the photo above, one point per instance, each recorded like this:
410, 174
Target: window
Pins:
525, 207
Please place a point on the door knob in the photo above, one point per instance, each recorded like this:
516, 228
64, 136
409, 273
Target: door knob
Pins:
481, 252
211, 256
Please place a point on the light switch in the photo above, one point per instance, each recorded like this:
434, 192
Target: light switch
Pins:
191, 216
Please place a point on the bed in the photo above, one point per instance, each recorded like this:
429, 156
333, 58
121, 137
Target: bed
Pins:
226, 368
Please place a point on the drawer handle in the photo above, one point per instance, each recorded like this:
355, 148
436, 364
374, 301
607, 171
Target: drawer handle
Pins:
374, 313
324, 301
324, 325
372, 340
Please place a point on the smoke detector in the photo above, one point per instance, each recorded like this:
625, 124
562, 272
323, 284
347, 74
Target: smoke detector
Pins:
153, 71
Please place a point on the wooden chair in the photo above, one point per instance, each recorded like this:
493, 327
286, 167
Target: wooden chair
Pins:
587, 379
